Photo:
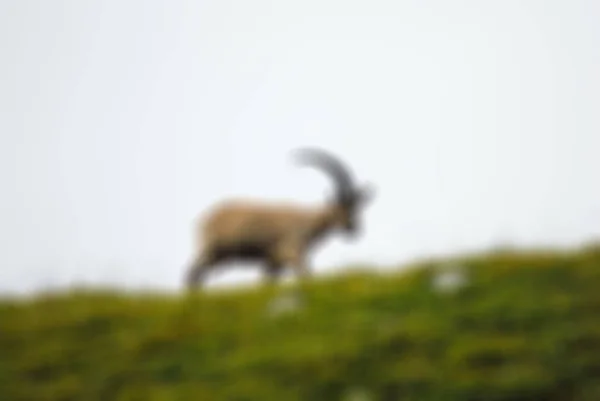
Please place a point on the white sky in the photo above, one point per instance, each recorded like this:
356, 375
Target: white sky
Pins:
121, 121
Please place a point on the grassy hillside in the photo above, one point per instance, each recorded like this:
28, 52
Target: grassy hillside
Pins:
524, 326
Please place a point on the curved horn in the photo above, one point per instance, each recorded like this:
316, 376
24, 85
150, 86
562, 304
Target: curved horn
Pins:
332, 166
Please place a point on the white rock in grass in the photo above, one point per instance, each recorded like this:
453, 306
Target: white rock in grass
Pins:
358, 394
450, 278
284, 304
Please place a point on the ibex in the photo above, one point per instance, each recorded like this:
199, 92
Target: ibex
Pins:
278, 235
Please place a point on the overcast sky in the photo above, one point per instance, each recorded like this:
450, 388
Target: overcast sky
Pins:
121, 121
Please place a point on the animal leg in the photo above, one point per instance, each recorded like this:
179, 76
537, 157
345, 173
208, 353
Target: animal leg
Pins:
272, 271
303, 276
302, 270
293, 256
198, 270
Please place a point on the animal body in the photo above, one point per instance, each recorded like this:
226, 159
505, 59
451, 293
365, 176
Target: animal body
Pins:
278, 235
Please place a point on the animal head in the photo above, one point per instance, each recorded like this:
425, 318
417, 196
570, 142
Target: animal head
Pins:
349, 199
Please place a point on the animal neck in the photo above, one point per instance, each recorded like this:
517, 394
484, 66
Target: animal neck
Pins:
325, 221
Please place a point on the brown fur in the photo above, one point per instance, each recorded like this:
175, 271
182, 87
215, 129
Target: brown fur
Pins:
276, 234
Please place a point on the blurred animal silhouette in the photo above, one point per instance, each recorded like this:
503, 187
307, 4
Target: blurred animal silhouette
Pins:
278, 235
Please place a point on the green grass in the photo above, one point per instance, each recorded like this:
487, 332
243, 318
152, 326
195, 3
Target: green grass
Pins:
526, 326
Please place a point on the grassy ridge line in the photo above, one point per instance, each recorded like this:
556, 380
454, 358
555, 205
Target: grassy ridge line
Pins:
525, 326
